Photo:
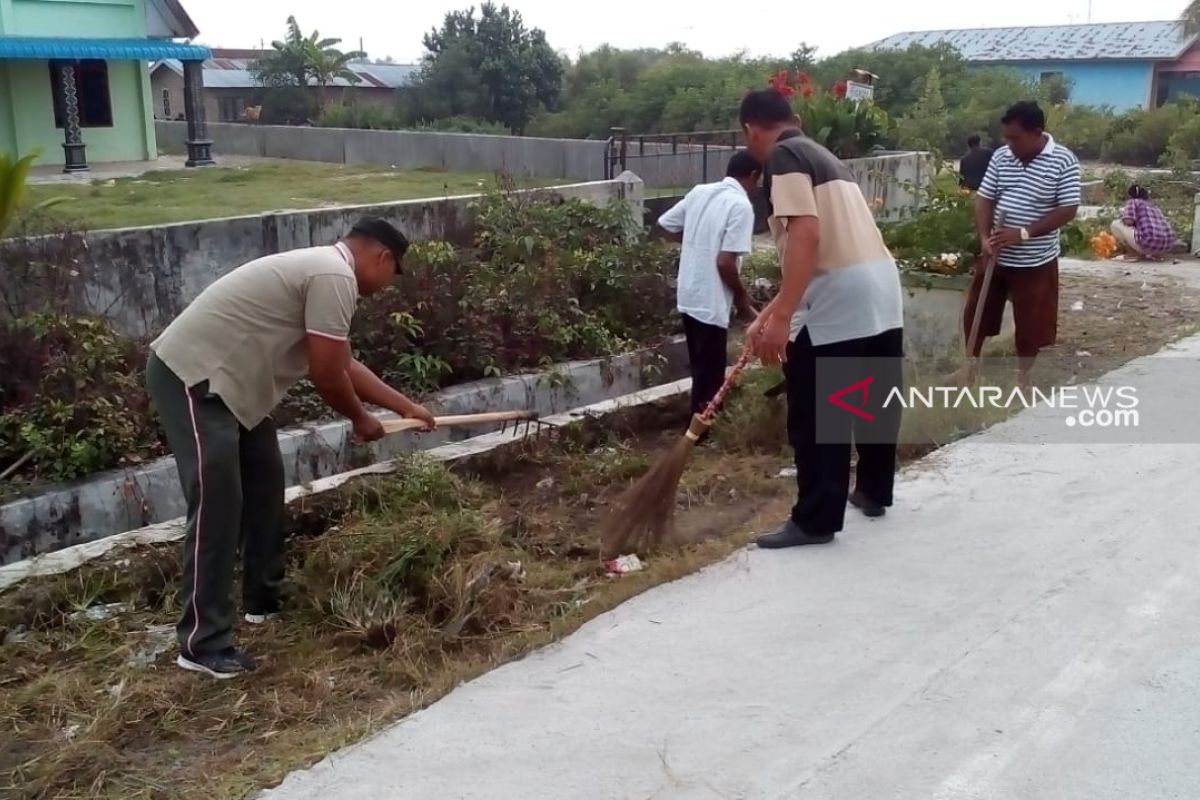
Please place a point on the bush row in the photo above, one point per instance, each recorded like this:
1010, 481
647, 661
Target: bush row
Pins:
544, 280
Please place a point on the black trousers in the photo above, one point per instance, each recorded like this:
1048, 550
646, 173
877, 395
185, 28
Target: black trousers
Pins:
234, 484
823, 462
707, 353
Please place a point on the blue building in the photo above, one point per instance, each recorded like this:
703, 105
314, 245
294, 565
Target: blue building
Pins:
1122, 64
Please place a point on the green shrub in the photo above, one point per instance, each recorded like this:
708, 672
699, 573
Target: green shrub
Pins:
945, 226
71, 395
545, 280
1142, 138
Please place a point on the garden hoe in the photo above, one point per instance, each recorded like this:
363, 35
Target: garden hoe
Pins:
643, 517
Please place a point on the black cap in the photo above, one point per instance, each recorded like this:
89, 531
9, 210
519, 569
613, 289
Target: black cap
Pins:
385, 233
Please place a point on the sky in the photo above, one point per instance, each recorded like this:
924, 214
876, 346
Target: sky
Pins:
760, 27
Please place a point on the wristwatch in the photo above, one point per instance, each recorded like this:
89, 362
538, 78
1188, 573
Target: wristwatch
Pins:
1024, 234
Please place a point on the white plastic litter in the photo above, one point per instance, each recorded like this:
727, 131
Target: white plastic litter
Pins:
624, 565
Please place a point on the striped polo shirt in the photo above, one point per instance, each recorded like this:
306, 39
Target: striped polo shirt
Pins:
1024, 193
855, 293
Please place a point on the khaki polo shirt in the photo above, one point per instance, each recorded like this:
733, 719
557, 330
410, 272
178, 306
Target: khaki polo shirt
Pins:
856, 292
245, 333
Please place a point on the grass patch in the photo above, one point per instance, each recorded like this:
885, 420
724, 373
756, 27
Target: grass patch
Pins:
162, 197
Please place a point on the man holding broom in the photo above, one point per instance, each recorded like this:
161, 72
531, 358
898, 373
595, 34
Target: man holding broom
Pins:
214, 376
1030, 191
838, 312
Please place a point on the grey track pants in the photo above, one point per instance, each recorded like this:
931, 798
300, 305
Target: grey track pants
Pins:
233, 481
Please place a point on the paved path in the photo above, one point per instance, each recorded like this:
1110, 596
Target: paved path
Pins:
1024, 625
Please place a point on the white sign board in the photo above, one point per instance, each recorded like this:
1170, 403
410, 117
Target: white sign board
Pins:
859, 91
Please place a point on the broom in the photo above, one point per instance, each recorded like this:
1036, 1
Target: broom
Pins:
644, 516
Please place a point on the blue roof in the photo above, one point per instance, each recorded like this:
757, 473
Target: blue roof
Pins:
1139, 41
45, 47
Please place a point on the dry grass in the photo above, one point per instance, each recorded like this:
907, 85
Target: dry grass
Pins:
414, 584
403, 587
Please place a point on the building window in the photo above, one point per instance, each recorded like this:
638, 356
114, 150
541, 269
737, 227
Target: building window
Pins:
231, 108
166, 103
91, 87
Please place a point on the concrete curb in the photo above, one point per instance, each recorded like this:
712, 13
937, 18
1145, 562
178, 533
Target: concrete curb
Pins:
172, 530
122, 500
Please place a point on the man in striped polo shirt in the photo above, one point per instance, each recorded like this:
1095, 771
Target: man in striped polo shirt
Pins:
1030, 191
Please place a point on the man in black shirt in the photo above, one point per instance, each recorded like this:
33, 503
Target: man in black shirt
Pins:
974, 164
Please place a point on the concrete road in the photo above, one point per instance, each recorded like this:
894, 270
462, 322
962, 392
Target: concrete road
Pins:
1024, 625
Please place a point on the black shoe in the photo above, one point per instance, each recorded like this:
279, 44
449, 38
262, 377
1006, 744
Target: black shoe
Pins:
866, 505
789, 535
229, 663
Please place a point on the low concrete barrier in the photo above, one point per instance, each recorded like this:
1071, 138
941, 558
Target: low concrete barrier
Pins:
889, 177
522, 156
122, 500
142, 277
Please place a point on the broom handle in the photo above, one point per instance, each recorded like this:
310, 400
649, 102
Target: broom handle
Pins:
989, 270
730, 381
397, 425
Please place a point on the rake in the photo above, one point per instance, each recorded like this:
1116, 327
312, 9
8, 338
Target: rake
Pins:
518, 420
644, 516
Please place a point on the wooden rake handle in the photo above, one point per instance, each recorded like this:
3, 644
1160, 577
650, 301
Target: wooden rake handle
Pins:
459, 420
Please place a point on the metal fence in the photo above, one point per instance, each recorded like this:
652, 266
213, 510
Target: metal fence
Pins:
671, 163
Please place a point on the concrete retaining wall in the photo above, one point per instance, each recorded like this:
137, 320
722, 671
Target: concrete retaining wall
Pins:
122, 500
143, 277
933, 316
886, 176
570, 159
1196, 229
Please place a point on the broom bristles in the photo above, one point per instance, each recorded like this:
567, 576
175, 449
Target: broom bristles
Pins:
644, 516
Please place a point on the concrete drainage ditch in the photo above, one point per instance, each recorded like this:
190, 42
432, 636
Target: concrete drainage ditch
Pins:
69, 558
133, 498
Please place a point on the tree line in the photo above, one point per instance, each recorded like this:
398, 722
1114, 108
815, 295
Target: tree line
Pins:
487, 70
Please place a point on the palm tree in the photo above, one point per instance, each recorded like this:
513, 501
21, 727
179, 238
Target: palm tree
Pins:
1191, 18
300, 60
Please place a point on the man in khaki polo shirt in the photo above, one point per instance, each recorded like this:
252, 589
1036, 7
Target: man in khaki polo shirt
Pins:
215, 375
836, 325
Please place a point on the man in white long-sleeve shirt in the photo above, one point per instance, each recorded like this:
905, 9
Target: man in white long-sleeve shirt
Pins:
715, 222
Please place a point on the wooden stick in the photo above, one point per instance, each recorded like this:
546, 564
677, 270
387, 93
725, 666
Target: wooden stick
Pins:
20, 462
985, 289
459, 420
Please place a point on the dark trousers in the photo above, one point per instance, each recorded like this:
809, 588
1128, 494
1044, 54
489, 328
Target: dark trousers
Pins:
707, 353
233, 481
823, 462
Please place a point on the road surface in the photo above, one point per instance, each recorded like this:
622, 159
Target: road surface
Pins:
1025, 624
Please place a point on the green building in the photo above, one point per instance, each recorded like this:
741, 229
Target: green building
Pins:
75, 81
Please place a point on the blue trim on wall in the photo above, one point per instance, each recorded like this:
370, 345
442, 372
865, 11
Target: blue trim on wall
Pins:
47, 47
1120, 84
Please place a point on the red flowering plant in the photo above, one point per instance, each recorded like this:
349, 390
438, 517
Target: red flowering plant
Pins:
849, 128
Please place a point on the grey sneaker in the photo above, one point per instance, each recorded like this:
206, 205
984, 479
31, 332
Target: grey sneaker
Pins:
261, 619
789, 535
228, 663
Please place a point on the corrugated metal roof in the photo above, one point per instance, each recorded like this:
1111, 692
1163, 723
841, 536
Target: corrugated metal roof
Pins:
1143, 41
392, 75
234, 73
43, 47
